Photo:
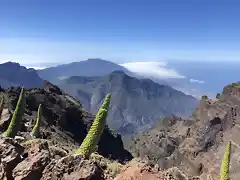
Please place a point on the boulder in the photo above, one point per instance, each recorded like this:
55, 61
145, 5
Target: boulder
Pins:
73, 168
33, 166
11, 153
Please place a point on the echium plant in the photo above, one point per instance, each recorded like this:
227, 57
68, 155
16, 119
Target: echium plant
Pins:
36, 129
1, 106
224, 173
91, 140
17, 117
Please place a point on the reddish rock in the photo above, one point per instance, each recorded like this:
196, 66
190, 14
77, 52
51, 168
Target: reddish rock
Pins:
11, 153
33, 166
73, 168
5, 119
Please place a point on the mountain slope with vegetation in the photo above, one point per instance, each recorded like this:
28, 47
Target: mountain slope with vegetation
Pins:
137, 103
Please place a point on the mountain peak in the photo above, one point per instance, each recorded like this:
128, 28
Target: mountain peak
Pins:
95, 59
13, 74
118, 72
101, 62
232, 89
91, 67
10, 63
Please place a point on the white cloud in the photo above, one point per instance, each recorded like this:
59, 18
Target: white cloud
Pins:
196, 81
152, 69
37, 68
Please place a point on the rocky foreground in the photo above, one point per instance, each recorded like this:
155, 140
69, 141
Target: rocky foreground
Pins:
64, 126
177, 149
36, 160
65, 123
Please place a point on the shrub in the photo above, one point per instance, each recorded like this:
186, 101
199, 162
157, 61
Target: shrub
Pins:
204, 97
36, 128
194, 113
234, 84
97, 156
224, 174
218, 96
91, 140
114, 168
17, 117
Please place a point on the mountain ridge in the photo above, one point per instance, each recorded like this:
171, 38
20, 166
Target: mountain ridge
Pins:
91, 91
129, 95
90, 67
13, 74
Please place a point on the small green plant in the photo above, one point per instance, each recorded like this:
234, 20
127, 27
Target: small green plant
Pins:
97, 156
204, 97
194, 113
234, 84
91, 140
224, 173
1, 106
36, 129
114, 168
218, 96
17, 117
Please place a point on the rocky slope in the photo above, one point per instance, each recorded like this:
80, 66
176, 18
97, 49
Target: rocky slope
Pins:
36, 160
196, 145
65, 123
139, 169
137, 103
12, 74
177, 148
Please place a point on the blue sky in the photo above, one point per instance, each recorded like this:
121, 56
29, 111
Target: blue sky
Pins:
57, 31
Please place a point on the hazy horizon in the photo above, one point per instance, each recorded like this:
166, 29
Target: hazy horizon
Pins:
123, 31
198, 41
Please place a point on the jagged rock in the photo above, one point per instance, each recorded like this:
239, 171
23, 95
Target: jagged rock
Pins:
52, 88
5, 119
140, 170
11, 153
19, 139
57, 152
33, 166
64, 122
73, 168
35, 162
200, 140
175, 174
63, 128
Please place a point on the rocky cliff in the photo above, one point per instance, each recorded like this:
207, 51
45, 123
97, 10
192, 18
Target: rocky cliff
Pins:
196, 144
63, 128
